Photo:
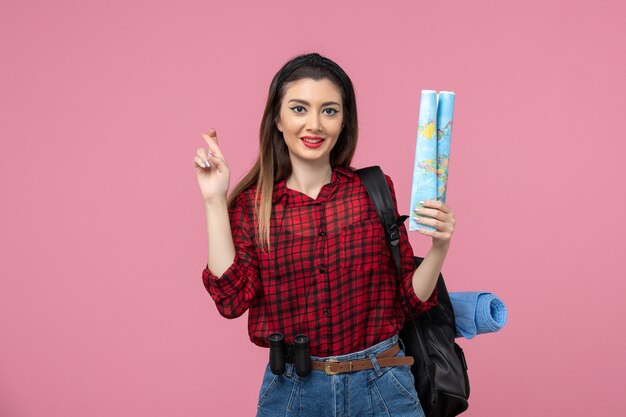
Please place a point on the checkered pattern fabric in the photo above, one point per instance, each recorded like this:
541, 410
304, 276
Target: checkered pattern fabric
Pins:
329, 275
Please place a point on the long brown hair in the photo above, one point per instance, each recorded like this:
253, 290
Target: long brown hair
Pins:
273, 163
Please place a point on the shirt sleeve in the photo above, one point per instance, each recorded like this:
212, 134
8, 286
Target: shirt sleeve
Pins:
411, 304
240, 284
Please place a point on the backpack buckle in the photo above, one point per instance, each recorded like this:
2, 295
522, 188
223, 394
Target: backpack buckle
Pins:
394, 234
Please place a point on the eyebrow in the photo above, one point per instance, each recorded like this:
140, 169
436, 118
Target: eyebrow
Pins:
328, 103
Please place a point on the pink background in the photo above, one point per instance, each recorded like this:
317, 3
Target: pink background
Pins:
102, 308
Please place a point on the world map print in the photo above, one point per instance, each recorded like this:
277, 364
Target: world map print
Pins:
432, 151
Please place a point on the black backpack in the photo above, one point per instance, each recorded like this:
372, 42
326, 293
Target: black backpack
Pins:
440, 369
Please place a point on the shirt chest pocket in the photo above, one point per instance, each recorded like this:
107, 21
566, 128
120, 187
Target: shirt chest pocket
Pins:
362, 246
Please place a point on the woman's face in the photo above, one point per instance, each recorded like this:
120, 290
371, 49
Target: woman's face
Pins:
310, 118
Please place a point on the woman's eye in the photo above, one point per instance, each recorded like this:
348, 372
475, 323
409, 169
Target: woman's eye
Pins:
297, 109
331, 111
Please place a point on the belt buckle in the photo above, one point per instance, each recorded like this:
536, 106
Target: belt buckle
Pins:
327, 363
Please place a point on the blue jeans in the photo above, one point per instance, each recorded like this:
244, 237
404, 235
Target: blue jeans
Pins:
373, 392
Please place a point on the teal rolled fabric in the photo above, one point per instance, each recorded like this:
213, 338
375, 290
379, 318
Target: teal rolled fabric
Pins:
477, 313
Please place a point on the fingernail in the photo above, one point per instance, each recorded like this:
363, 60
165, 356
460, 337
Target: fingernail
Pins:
206, 164
417, 209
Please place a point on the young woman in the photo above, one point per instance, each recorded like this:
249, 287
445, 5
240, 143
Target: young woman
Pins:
298, 243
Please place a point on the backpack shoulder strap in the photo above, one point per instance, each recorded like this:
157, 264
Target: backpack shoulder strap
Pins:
377, 188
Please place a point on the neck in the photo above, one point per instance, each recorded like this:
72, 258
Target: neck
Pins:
309, 179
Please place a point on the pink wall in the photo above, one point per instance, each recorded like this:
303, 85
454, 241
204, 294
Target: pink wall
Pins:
102, 308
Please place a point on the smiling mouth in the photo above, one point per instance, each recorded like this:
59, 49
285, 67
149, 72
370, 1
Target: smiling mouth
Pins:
312, 140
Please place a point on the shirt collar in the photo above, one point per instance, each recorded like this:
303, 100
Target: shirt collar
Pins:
339, 175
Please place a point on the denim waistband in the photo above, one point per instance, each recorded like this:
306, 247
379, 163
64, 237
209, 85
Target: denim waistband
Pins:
362, 354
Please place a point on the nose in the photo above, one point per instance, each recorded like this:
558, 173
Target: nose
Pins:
313, 122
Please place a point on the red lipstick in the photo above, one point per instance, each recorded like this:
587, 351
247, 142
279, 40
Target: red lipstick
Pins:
312, 142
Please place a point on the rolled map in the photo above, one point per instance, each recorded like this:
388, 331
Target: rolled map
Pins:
445, 111
425, 166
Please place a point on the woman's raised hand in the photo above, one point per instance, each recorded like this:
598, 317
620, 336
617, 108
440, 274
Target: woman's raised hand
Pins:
438, 215
211, 168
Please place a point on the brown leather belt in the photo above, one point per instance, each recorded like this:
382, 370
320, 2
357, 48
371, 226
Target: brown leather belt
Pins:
384, 359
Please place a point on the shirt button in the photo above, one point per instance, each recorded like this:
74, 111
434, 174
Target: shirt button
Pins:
326, 351
326, 312
322, 234
322, 269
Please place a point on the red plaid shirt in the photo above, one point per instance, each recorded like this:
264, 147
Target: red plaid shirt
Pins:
330, 274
